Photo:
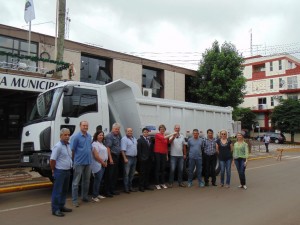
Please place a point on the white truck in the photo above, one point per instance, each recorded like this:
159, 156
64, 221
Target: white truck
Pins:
65, 105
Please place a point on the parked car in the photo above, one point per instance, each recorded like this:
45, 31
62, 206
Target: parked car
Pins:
274, 137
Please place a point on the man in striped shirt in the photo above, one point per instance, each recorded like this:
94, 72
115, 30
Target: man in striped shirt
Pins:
210, 158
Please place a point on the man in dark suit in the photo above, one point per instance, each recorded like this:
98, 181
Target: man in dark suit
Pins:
144, 155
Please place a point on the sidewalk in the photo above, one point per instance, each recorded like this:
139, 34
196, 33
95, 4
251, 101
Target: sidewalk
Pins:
18, 179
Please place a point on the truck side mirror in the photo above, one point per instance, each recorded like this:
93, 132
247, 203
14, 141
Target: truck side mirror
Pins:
68, 90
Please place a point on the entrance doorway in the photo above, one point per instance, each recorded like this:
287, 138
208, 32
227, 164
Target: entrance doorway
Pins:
15, 107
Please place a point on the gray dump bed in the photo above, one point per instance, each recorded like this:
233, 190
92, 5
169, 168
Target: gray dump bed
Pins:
130, 108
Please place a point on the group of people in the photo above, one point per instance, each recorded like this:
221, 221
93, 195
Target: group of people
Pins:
100, 155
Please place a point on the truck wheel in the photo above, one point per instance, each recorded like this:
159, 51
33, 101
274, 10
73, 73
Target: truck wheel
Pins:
218, 168
276, 141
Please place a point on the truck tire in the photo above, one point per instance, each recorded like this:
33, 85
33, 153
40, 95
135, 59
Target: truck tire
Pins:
185, 175
218, 168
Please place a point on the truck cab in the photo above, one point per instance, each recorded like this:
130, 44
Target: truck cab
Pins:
61, 107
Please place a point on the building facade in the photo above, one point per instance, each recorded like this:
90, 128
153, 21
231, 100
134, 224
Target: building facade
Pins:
22, 80
270, 79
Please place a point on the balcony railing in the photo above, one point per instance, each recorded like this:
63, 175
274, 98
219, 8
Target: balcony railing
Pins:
23, 66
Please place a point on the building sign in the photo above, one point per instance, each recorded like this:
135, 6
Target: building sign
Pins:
23, 83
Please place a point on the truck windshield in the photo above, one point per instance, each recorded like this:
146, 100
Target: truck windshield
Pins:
46, 105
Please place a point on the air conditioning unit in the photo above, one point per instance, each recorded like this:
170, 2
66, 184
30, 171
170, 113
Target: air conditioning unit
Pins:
147, 92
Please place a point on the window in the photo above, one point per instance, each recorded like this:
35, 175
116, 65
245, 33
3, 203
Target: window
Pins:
95, 70
295, 97
153, 79
271, 83
271, 66
281, 82
262, 101
258, 68
82, 101
46, 104
290, 65
19, 47
292, 82
272, 101
280, 64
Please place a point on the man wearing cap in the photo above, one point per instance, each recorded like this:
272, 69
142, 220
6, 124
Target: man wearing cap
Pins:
145, 155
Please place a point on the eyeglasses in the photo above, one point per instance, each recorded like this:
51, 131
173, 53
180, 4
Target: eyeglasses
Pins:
223, 133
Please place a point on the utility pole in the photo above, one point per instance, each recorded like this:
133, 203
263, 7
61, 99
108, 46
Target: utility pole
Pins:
61, 35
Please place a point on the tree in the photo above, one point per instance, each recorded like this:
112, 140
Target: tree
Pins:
219, 80
286, 117
245, 115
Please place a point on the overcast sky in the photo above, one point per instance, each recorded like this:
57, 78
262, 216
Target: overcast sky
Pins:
175, 31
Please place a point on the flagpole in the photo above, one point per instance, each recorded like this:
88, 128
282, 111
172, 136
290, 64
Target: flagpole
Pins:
29, 38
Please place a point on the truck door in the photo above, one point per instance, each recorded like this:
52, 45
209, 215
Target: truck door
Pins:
80, 104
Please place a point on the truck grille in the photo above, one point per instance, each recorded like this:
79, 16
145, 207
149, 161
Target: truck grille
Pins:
28, 147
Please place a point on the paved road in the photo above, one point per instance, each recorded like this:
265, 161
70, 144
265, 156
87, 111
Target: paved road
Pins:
273, 197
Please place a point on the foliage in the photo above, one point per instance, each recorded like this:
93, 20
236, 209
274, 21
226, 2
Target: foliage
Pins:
61, 65
219, 80
245, 115
34, 58
286, 117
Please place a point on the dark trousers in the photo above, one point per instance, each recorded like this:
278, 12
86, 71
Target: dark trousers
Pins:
111, 174
160, 168
240, 166
210, 162
145, 170
267, 147
60, 189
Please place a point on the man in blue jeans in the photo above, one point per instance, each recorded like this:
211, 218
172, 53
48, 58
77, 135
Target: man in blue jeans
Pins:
195, 144
178, 155
61, 165
82, 158
129, 153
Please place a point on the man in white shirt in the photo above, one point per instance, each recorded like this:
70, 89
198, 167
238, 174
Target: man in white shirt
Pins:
178, 155
267, 141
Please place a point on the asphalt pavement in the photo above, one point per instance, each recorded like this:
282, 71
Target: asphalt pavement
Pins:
18, 179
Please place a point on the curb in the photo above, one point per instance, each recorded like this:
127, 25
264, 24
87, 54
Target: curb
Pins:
261, 157
25, 187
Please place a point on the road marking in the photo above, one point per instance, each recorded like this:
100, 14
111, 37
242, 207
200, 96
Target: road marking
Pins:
258, 167
290, 157
24, 207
